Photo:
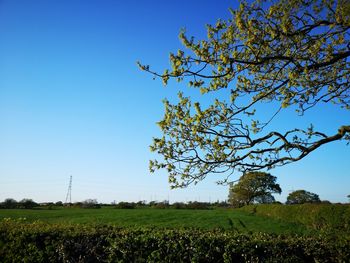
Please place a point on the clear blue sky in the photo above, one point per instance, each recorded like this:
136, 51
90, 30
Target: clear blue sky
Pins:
73, 102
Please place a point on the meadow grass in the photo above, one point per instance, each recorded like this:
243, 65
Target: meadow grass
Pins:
229, 219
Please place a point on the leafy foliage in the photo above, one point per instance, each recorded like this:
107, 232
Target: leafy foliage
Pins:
9, 203
38, 242
90, 203
254, 187
284, 52
27, 203
302, 197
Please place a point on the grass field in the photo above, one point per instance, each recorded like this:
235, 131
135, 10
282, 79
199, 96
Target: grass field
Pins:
160, 218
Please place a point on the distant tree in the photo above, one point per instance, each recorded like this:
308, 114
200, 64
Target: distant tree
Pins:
140, 204
179, 205
90, 203
10, 203
349, 197
197, 205
75, 204
254, 187
302, 197
27, 203
152, 203
162, 205
59, 203
289, 53
125, 205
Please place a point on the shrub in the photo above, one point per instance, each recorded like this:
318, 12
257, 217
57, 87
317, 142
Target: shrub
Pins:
162, 205
197, 205
125, 205
40, 242
178, 205
90, 203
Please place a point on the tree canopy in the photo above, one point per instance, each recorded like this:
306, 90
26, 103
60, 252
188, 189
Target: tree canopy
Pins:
27, 203
254, 187
302, 197
9, 203
289, 53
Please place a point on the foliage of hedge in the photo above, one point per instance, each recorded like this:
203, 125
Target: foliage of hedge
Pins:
40, 242
327, 217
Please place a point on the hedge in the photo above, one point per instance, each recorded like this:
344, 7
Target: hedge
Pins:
42, 242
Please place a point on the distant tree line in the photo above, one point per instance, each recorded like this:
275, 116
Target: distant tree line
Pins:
258, 187
165, 204
88, 203
11, 203
26, 203
252, 188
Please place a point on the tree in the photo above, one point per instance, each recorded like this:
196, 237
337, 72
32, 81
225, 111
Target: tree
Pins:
27, 203
254, 187
90, 203
9, 203
59, 203
290, 54
302, 197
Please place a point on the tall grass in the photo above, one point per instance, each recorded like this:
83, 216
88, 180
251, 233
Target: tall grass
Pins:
326, 217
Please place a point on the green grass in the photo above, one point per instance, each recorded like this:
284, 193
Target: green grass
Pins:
161, 218
333, 219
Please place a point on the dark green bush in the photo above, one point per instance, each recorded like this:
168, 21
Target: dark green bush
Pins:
125, 205
197, 205
162, 205
40, 242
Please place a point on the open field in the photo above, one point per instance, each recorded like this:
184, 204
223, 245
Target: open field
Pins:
161, 218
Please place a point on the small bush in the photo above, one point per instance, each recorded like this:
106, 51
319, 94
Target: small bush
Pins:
197, 205
125, 205
179, 205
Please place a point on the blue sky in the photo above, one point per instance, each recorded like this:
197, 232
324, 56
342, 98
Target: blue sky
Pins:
73, 102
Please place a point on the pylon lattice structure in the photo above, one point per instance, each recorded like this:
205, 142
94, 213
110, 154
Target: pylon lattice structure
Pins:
69, 192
